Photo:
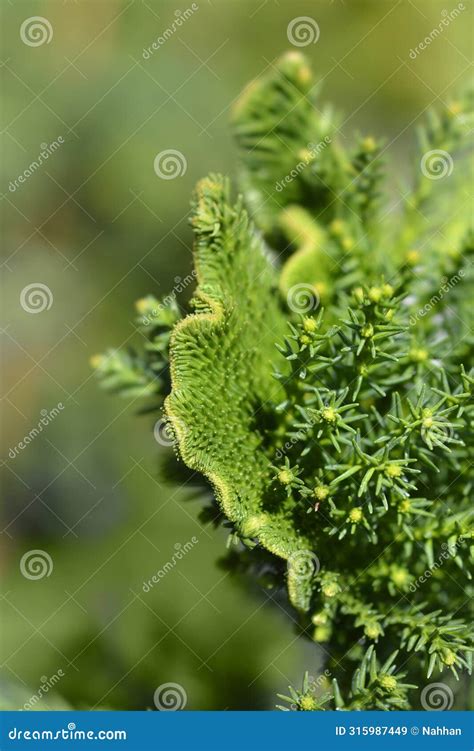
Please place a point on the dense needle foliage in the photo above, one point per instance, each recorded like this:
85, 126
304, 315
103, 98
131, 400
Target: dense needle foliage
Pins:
323, 385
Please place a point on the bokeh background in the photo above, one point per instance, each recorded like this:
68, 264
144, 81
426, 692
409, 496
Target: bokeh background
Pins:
98, 226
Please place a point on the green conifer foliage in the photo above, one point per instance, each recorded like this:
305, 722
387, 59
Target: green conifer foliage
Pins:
323, 384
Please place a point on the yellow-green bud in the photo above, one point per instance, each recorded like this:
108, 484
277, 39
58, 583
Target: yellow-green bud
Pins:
309, 325
369, 144
399, 576
329, 414
373, 630
321, 492
358, 293
449, 658
320, 619
418, 354
355, 515
375, 294
308, 703
330, 589
285, 476
388, 682
322, 633
404, 506
412, 257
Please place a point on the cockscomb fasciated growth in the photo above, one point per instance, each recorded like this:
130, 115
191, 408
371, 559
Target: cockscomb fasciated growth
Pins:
323, 384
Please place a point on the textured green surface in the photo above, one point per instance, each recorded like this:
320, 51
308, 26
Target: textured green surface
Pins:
221, 368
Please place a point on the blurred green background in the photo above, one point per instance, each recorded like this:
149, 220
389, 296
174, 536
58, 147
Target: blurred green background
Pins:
97, 226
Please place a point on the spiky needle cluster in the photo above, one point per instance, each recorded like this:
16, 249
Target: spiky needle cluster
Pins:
339, 457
